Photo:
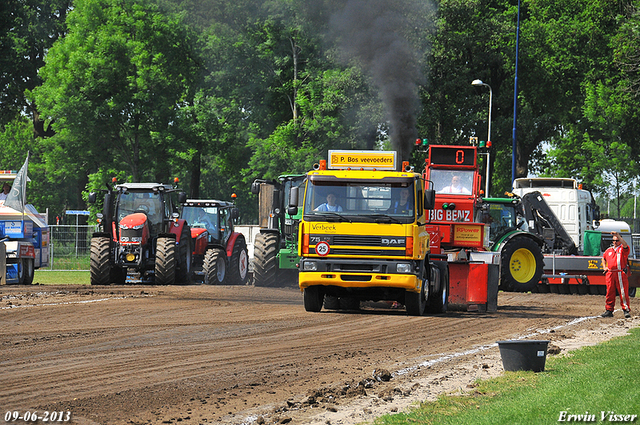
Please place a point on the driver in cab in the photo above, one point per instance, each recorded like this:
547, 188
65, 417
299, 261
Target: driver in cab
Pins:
203, 218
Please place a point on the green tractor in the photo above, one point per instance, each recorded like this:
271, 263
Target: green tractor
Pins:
521, 259
275, 258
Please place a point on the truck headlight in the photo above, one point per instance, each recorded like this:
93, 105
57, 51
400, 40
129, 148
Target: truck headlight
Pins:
403, 268
310, 266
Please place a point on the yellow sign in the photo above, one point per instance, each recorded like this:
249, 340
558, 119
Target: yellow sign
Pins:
467, 233
380, 160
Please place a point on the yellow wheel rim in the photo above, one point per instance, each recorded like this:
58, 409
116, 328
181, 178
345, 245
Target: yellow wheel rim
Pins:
522, 265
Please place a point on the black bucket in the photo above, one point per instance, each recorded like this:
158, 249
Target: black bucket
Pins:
523, 355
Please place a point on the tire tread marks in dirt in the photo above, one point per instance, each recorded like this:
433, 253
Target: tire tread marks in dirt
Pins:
265, 263
239, 263
165, 264
100, 268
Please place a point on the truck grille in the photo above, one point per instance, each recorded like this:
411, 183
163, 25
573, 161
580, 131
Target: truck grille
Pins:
357, 240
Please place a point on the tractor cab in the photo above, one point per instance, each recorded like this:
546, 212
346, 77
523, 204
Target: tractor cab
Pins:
143, 205
501, 217
220, 253
211, 220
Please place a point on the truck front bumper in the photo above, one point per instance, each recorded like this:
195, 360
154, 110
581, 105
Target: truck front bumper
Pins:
359, 280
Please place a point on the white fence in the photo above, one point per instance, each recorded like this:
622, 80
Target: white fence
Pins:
70, 246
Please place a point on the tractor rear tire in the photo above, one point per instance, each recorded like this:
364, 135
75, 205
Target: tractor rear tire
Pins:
214, 267
313, 298
185, 250
239, 263
165, 264
265, 260
438, 301
100, 267
521, 262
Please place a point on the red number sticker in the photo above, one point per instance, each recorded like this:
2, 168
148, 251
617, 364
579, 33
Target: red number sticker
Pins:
322, 248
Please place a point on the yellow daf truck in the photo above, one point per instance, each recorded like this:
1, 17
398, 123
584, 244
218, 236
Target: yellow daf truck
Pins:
362, 235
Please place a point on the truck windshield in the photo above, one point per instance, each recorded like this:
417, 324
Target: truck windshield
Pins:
360, 201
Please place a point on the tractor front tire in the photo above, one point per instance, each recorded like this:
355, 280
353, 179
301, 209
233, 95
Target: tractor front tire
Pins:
265, 260
521, 263
100, 267
214, 267
165, 264
239, 263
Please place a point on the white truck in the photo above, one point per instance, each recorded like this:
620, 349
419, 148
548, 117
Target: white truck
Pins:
578, 214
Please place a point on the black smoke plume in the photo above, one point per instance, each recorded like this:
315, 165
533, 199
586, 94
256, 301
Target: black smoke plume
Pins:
373, 32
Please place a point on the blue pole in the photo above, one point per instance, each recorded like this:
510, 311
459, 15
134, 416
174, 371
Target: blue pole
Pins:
515, 105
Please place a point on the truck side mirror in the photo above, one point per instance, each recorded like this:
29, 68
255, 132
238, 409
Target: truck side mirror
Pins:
92, 198
234, 213
255, 187
293, 201
429, 199
182, 197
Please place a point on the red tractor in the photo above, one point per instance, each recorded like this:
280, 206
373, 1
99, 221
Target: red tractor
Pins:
220, 253
142, 239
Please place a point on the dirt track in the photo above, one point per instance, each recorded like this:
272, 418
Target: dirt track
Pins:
222, 354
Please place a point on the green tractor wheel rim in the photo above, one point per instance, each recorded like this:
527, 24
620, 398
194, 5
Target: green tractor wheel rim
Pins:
522, 265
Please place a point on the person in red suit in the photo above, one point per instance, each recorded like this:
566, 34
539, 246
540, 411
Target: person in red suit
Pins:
615, 266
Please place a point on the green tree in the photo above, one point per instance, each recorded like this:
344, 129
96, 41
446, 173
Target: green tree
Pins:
28, 28
113, 86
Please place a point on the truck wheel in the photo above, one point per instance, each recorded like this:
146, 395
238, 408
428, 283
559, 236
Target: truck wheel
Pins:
265, 260
331, 302
185, 250
416, 302
349, 303
239, 264
313, 298
521, 264
100, 269
439, 300
165, 265
214, 267
25, 271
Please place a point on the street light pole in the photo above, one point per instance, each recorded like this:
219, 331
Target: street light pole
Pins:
480, 83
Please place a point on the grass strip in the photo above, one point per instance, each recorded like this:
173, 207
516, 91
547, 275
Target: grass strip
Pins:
53, 277
595, 382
